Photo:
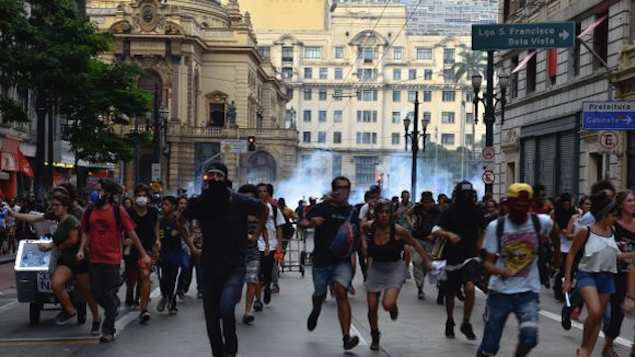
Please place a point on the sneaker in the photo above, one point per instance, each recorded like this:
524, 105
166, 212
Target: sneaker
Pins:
107, 338
312, 321
374, 345
267, 298
257, 305
394, 313
161, 304
565, 317
248, 319
144, 317
64, 317
350, 342
421, 295
449, 329
468, 331
94, 328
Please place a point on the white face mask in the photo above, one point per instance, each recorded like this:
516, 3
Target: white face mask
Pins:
141, 201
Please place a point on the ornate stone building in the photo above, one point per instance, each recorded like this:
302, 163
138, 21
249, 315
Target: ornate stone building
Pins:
200, 60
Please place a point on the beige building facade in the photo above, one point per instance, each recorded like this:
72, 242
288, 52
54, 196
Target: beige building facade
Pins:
353, 81
201, 57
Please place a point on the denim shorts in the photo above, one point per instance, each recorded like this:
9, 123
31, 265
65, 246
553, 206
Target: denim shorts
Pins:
602, 281
328, 275
524, 306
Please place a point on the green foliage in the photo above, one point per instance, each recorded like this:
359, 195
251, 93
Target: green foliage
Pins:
471, 63
12, 111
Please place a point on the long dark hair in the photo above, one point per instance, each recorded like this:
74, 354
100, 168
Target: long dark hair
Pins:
562, 214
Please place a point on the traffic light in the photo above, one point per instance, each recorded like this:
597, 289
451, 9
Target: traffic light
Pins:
252, 143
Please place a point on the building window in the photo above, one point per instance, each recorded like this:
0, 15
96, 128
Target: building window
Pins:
217, 115
306, 137
365, 170
321, 137
531, 73
448, 96
366, 138
368, 54
366, 74
397, 53
306, 116
396, 96
290, 92
337, 116
337, 95
265, 52
412, 74
287, 72
469, 118
337, 137
513, 83
367, 95
469, 139
447, 139
366, 116
447, 117
339, 73
322, 94
424, 53
337, 164
412, 95
287, 54
601, 40
427, 95
395, 138
396, 74
324, 73
339, 52
308, 93
308, 73
448, 75
427, 117
322, 116
427, 74
448, 56
313, 52
396, 117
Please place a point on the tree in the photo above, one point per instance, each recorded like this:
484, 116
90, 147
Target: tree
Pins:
471, 63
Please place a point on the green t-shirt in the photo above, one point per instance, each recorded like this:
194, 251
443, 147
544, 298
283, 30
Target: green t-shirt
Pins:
62, 234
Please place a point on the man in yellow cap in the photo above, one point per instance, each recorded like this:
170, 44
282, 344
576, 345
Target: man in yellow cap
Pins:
511, 245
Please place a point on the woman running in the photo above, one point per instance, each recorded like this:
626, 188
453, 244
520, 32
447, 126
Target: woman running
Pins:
384, 245
597, 265
66, 241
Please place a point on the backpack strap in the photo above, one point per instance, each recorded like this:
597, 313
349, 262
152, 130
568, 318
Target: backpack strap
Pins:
500, 226
117, 213
535, 220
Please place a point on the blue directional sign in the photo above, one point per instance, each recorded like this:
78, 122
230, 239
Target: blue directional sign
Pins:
608, 115
510, 36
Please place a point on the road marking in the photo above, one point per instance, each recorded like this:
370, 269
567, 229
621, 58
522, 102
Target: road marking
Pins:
356, 332
130, 316
8, 306
47, 341
550, 315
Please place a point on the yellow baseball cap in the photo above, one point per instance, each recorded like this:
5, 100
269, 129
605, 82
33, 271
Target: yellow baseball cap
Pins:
515, 189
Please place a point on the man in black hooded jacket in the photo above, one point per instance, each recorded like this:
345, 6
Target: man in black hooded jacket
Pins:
222, 216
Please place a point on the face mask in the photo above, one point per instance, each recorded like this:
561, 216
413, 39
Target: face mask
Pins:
141, 201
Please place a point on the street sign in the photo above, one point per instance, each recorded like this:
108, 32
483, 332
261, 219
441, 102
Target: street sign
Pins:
235, 146
536, 35
489, 153
609, 140
488, 177
608, 115
156, 172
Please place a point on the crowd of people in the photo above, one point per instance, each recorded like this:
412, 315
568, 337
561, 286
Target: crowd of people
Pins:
235, 240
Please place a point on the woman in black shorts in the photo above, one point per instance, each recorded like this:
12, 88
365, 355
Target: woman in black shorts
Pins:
66, 242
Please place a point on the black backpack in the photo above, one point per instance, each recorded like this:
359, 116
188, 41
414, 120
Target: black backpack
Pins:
544, 250
287, 228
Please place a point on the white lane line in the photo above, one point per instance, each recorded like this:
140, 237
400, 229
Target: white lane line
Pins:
355, 331
8, 306
124, 321
550, 315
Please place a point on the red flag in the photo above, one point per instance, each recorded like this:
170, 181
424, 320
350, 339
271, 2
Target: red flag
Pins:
552, 62
23, 164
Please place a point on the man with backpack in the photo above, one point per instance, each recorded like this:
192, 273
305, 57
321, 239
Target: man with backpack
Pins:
332, 256
512, 247
102, 226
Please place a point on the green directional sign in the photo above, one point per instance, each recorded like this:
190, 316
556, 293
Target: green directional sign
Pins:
510, 36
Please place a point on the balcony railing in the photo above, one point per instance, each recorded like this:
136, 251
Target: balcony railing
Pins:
229, 133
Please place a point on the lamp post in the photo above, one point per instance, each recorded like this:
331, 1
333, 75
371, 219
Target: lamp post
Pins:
490, 100
159, 116
414, 136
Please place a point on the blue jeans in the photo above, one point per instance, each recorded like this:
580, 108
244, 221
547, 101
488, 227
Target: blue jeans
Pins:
524, 305
220, 296
328, 275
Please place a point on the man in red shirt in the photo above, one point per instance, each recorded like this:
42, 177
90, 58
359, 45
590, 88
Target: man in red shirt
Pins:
102, 227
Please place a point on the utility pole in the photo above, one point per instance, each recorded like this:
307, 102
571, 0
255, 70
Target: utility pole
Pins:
415, 148
489, 111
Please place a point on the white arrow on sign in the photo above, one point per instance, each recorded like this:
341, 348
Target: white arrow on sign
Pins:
628, 119
564, 35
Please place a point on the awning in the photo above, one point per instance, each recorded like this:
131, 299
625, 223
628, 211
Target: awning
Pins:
524, 62
8, 162
23, 164
592, 26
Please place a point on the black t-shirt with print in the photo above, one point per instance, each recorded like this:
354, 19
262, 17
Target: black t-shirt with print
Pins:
325, 233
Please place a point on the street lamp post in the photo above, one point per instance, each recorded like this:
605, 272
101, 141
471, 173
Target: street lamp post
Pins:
414, 136
490, 100
160, 116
